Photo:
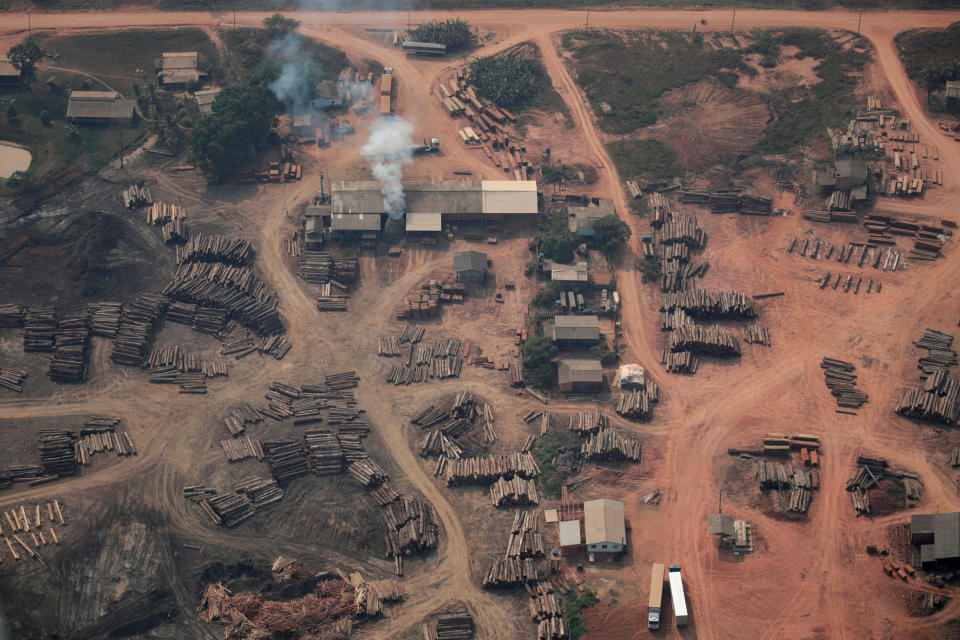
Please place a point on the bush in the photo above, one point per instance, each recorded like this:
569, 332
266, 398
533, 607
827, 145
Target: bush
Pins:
280, 24
507, 80
11, 112
610, 233
538, 354
45, 118
557, 249
648, 158
548, 296
575, 620
456, 34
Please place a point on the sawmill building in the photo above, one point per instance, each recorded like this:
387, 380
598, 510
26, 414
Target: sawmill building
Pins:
98, 106
938, 536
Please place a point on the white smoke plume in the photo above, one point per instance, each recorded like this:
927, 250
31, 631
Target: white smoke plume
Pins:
297, 74
388, 149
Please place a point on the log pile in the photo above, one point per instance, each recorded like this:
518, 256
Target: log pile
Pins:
704, 303
136, 196
680, 229
238, 449
437, 443
39, 329
368, 473
679, 361
163, 212
515, 491
453, 625
863, 479
800, 500
411, 334
324, 452
384, 495
12, 379
608, 444
260, 491
174, 231
319, 267
466, 471
105, 318
412, 527
136, 325
940, 354
11, 315
697, 338
637, 405
286, 460
510, 572
425, 301
240, 417
210, 320
215, 248
546, 608
842, 383
228, 509
755, 334
57, 456
587, 422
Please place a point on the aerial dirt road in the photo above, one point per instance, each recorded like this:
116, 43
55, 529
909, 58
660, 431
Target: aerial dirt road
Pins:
702, 412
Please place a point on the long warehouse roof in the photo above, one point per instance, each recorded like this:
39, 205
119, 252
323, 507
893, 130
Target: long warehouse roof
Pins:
445, 196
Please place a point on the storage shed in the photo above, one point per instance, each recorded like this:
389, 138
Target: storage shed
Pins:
576, 330
470, 266
205, 100
604, 527
178, 68
98, 106
582, 219
571, 276
579, 375
351, 224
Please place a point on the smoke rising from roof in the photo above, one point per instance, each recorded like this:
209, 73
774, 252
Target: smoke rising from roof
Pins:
388, 150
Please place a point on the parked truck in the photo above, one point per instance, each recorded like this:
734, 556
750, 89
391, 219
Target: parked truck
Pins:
677, 597
656, 597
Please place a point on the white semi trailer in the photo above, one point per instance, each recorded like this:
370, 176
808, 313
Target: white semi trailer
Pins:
677, 597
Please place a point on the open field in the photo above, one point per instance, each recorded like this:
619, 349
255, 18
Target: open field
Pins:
135, 555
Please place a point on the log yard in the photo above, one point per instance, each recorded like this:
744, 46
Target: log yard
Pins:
449, 319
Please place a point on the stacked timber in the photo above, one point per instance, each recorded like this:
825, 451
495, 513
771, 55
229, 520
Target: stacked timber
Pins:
703, 303
136, 325
485, 470
174, 231
681, 229
695, 197
12, 379
210, 320
388, 346
772, 475
181, 312
723, 201
11, 315
515, 373
237, 343
105, 318
384, 495
196, 493
611, 445
430, 416
697, 338
638, 405
679, 361
411, 334
229, 509
163, 212
938, 398
587, 422
510, 572
800, 500
324, 452
286, 460
368, 473
940, 354
525, 540
842, 383
136, 196
659, 209
412, 527
69, 362
516, 491
437, 443
39, 329
260, 491
238, 449
57, 456
214, 248
755, 334
315, 266
753, 205
454, 625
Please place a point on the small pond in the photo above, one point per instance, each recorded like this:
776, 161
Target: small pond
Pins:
13, 158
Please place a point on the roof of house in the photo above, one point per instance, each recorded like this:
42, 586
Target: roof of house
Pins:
312, 226
573, 370
99, 105
576, 328
570, 272
355, 222
506, 196
720, 524
424, 221
7, 69
569, 531
945, 528
179, 60
205, 99
583, 218
603, 521
180, 76
469, 261
851, 168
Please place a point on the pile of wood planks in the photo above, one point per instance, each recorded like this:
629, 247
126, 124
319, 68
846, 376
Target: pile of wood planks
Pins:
163, 212
105, 318
136, 196
242, 448
136, 326
39, 329
755, 334
608, 444
842, 383
485, 470
12, 379
425, 300
11, 315
515, 491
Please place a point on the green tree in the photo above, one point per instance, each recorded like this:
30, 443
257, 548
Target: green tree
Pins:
280, 24
241, 123
456, 34
610, 233
24, 57
538, 354
557, 249
507, 81
45, 118
11, 112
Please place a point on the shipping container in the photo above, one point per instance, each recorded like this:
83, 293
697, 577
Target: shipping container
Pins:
677, 597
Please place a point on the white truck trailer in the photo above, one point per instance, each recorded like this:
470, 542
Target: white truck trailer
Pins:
676, 595
656, 597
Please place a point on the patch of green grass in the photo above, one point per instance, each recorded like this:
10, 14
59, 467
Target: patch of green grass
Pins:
649, 159
551, 478
121, 58
896, 493
577, 625
922, 47
570, 172
250, 48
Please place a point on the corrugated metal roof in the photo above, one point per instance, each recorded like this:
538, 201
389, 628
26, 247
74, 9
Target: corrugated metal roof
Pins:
205, 99
603, 521
580, 370
410, 45
576, 328
355, 222
506, 197
424, 222
582, 219
946, 535
7, 69
444, 196
179, 60
99, 105
569, 531
720, 524
469, 261
570, 272
180, 76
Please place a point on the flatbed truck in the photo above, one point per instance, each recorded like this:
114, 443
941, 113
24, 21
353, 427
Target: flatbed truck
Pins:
656, 597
